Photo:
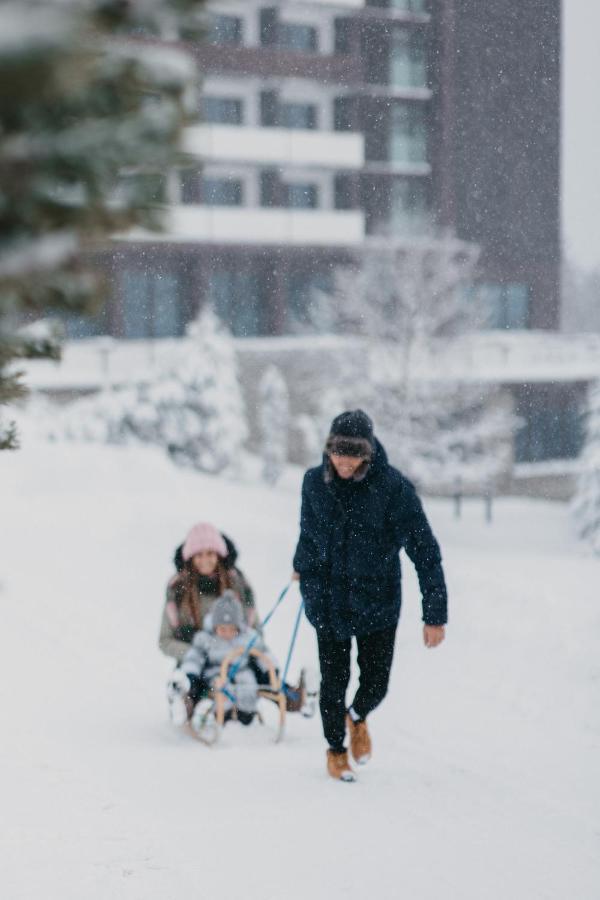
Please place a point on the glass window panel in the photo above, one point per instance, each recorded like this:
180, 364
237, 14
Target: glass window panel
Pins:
516, 299
407, 59
302, 196
136, 292
151, 304
552, 426
222, 110
343, 108
77, 327
344, 191
297, 37
408, 133
190, 186
167, 307
297, 115
343, 35
303, 289
507, 306
408, 206
268, 108
236, 299
225, 30
221, 192
416, 6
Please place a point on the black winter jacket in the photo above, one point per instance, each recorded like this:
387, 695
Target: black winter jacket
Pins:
351, 534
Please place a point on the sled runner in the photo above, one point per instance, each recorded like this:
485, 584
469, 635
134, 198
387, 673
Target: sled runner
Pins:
210, 713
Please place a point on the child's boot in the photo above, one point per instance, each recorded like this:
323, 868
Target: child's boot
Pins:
180, 705
204, 721
338, 766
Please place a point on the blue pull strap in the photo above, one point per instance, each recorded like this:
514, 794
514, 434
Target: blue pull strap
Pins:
293, 641
236, 665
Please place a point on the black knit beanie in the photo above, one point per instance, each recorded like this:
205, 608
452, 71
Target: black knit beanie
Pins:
351, 434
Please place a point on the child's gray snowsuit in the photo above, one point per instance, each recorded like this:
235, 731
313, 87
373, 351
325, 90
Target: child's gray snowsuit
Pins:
207, 652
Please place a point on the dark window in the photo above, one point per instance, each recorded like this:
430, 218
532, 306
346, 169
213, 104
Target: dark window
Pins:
269, 188
268, 27
77, 327
505, 305
301, 196
146, 187
190, 186
151, 304
226, 30
416, 6
236, 299
297, 115
297, 37
344, 191
304, 295
268, 108
552, 423
343, 35
407, 58
408, 133
222, 110
221, 192
343, 113
408, 210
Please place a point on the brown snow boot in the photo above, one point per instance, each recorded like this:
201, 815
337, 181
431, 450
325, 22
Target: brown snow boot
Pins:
338, 766
360, 741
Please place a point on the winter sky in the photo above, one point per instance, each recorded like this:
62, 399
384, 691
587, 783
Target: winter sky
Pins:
581, 132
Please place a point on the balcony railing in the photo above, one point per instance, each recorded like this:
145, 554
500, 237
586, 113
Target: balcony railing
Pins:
275, 146
251, 226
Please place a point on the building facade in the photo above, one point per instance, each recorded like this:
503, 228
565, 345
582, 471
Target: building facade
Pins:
324, 123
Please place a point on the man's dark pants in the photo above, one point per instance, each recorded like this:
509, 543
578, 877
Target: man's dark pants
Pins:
375, 654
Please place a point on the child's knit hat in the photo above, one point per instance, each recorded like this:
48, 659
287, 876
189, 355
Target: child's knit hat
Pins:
203, 536
227, 610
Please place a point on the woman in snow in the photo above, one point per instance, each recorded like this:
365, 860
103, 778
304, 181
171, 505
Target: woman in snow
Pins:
206, 564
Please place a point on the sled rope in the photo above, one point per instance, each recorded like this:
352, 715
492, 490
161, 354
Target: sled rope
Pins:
234, 668
284, 687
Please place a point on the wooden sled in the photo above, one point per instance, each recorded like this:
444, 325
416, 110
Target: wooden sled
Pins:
271, 692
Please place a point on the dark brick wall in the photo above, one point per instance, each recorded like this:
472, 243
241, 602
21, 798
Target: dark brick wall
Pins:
497, 121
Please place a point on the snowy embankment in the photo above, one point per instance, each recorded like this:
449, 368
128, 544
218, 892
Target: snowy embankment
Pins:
484, 783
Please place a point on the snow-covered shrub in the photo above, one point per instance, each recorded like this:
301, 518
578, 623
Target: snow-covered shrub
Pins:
274, 424
586, 502
190, 404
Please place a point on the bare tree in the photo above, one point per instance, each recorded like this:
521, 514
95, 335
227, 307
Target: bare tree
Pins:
406, 298
408, 293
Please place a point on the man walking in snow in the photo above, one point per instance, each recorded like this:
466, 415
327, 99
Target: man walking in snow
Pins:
357, 514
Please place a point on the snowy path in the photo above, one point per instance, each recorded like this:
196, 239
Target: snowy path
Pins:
485, 783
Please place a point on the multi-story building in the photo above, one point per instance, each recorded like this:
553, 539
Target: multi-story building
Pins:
325, 122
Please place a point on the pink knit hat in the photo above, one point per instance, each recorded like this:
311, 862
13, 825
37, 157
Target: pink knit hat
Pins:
203, 536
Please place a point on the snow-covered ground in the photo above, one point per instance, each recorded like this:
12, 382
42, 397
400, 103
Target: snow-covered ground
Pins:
484, 785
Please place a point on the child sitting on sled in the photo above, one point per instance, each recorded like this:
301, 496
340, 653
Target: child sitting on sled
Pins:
224, 631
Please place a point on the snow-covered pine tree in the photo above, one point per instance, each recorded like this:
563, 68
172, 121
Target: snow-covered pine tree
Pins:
190, 403
586, 502
84, 96
199, 399
274, 424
